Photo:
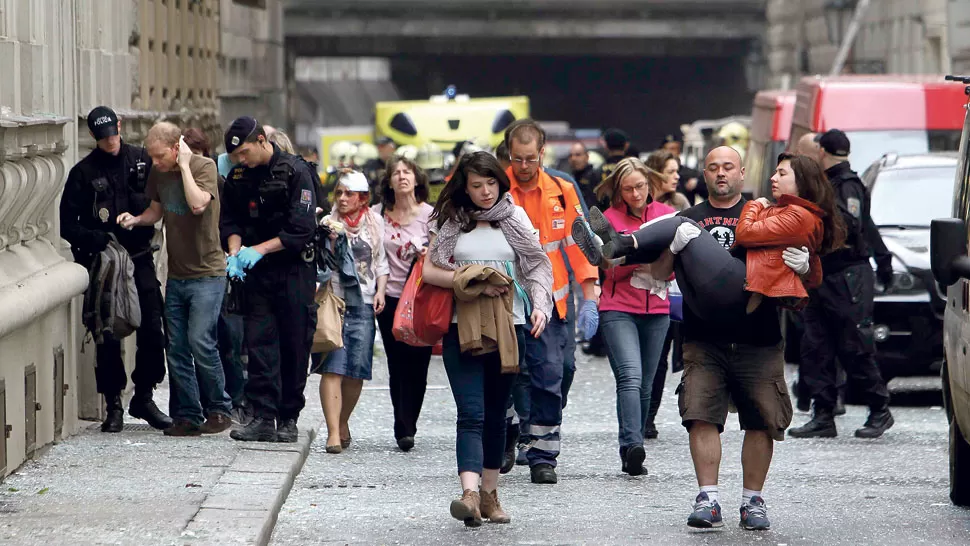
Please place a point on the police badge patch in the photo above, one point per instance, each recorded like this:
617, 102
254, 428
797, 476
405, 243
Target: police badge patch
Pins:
305, 197
854, 206
103, 215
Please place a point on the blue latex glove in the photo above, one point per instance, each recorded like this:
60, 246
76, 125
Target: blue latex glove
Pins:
234, 269
588, 319
248, 257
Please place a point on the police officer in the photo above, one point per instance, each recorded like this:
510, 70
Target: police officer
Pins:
266, 226
107, 182
838, 319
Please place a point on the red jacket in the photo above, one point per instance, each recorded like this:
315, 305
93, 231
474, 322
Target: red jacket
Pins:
766, 232
618, 294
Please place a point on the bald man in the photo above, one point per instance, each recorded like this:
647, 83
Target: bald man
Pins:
807, 145
740, 361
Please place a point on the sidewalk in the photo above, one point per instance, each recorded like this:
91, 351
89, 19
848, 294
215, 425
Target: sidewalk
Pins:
140, 487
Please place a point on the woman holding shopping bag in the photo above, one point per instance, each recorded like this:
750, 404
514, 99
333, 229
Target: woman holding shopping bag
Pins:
345, 369
475, 224
406, 214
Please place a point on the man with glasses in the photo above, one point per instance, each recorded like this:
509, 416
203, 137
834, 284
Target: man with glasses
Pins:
266, 226
552, 204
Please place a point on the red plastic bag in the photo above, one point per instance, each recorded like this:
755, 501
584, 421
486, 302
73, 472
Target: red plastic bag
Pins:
424, 312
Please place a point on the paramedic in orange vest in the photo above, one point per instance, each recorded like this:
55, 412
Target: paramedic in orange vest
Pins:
551, 204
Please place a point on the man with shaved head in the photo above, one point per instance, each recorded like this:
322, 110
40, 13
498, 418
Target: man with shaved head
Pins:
738, 361
807, 145
184, 189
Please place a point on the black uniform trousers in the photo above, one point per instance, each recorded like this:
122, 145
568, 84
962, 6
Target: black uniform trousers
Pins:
838, 323
407, 367
279, 322
149, 371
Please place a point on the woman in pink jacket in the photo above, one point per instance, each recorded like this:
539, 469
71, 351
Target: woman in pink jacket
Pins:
634, 311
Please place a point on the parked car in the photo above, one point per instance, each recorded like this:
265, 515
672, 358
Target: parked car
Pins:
907, 193
951, 268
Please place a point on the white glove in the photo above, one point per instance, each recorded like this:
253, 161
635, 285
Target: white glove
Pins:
685, 233
796, 259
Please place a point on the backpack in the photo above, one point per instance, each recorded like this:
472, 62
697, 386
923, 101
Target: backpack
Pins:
111, 301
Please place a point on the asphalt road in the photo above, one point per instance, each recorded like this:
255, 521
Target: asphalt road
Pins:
841, 491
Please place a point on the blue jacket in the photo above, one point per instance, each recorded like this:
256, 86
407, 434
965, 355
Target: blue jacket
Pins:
340, 259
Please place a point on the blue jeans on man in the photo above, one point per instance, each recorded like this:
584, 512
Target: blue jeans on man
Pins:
192, 308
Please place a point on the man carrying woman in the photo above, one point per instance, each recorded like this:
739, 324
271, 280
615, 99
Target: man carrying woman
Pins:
733, 349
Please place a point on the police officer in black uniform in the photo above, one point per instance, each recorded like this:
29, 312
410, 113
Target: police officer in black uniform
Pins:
107, 182
266, 227
838, 319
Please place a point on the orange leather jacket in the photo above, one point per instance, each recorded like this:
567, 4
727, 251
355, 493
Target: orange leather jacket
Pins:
766, 232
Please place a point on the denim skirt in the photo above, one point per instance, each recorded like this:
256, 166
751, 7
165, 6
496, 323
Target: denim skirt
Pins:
355, 359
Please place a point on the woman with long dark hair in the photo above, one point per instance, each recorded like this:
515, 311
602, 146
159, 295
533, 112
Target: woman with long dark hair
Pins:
476, 224
715, 284
407, 215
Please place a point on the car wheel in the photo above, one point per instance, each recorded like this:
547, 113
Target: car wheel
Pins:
959, 466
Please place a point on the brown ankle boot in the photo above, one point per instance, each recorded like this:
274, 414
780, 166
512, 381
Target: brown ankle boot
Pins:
492, 509
468, 508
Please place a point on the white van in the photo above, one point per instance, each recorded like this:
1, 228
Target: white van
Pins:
950, 262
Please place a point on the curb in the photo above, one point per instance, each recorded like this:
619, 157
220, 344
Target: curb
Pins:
243, 505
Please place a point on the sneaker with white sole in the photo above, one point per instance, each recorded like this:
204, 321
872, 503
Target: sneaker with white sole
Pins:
706, 514
754, 515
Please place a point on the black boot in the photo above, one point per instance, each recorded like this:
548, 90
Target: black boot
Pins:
258, 430
822, 425
114, 421
511, 440
143, 407
879, 421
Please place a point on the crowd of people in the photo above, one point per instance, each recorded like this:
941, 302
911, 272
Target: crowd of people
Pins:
532, 255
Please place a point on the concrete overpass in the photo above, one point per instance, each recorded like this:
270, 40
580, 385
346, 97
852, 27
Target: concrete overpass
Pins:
644, 65
635, 28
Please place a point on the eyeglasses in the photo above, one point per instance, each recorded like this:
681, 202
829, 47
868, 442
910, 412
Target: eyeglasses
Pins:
524, 161
630, 189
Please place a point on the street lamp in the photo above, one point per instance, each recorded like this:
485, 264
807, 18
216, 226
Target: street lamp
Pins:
836, 12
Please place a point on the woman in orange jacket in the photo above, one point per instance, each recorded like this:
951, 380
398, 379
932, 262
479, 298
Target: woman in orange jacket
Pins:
717, 283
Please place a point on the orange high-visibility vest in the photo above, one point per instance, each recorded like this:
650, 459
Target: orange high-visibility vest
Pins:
553, 214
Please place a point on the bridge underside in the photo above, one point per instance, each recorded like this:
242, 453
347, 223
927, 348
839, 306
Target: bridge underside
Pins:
652, 28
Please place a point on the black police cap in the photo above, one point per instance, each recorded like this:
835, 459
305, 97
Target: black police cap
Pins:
240, 130
103, 122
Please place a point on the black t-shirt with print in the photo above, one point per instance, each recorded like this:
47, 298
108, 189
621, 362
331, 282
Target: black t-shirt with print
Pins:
761, 328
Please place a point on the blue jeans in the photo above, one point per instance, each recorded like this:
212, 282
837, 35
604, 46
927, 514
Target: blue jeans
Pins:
633, 344
192, 308
481, 391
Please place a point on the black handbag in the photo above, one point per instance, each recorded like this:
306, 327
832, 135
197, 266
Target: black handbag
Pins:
234, 302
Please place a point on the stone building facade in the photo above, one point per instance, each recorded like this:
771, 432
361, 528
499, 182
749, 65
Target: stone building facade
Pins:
148, 59
896, 36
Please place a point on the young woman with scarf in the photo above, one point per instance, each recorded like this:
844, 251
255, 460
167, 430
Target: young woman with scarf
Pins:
476, 222
345, 370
